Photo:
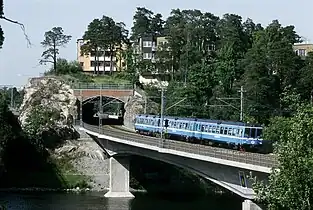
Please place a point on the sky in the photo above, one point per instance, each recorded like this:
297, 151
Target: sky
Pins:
18, 62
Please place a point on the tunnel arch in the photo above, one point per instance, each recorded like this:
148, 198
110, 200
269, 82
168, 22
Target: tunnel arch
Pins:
89, 106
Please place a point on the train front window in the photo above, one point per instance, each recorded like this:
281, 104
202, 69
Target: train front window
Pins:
247, 132
253, 132
259, 133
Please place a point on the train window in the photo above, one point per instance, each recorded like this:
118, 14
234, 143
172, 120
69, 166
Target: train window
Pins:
240, 133
259, 133
230, 131
235, 132
217, 129
225, 131
247, 132
210, 129
221, 130
253, 132
187, 126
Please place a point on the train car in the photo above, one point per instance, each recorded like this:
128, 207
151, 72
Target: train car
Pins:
233, 135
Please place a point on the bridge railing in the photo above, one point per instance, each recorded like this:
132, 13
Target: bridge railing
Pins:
94, 86
265, 160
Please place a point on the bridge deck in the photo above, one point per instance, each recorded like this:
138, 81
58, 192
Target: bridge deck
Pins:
265, 160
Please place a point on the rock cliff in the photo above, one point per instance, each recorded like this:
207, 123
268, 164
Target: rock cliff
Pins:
50, 94
136, 105
75, 157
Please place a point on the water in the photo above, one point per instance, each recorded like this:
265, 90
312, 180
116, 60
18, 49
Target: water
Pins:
93, 201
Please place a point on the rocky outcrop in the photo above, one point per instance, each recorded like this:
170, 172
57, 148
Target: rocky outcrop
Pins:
88, 159
136, 105
52, 95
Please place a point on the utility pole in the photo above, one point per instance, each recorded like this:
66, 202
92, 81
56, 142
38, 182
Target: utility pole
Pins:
81, 107
162, 114
241, 91
186, 67
145, 110
241, 103
100, 109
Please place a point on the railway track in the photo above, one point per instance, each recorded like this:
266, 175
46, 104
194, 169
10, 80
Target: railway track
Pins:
265, 160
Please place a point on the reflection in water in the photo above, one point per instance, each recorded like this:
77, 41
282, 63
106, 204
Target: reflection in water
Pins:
60, 201
118, 203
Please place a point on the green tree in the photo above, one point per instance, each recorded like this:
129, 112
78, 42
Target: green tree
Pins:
67, 67
115, 35
305, 82
157, 25
142, 23
92, 36
102, 35
232, 46
270, 67
9, 129
41, 127
291, 183
54, 39
191, 38
130, 69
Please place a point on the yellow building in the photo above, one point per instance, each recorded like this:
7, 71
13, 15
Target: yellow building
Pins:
303, 49
88, 62
161, 42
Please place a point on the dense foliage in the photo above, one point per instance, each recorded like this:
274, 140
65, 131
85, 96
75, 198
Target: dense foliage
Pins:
102, 35
290, 185
208, 57
12, 95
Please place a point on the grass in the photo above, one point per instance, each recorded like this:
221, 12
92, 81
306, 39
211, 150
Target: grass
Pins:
107, 79
70, 176
98, 79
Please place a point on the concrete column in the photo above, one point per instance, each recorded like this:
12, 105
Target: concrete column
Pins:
119, 178
249, 205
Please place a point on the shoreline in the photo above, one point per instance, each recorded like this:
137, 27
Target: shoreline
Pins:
38, 189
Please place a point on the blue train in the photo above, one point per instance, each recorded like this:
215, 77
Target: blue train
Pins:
235, 135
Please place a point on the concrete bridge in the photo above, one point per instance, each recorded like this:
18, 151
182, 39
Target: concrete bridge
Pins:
227, 168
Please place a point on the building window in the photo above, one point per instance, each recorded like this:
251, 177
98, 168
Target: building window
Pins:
147, 44
301, 52
82, 64
147, 55
107, 63
93, 63
100, 53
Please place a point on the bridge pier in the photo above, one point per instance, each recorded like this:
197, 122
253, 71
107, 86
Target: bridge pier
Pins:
249, 205
119, 178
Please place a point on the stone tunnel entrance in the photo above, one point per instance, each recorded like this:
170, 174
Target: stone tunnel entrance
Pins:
111, 112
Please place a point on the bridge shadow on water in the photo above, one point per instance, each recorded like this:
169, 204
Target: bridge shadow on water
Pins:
167, 182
